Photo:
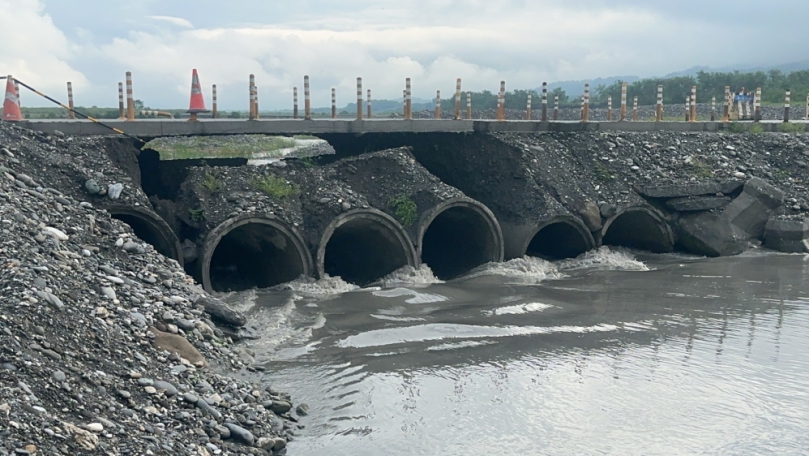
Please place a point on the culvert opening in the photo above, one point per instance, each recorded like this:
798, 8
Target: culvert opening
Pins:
149, 233
362, 251
638, 229
254, 255
457, 240
557, 241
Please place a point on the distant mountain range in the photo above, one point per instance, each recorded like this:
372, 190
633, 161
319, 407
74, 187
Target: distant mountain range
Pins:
576, 87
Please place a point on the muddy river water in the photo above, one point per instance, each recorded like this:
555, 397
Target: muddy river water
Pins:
615, 352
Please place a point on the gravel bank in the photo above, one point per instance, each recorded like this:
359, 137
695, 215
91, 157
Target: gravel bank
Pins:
107, 346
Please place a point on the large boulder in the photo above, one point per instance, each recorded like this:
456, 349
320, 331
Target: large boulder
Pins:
220, 311
173, 343
784, 235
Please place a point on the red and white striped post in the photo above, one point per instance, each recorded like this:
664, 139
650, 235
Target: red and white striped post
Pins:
307, 103
726, 105
544, 116
528, 108
688, 108
404, 103
438, 104
251, 89
713, 109
556, 107
659, 106
368, 103
469, 104
757, 105
635, 109
359, 98
215, 108
121, 114
786, 106
501, 102
609, 108
458, 99
408, 100
333, 103
255, 102
693, 112
623, 101
130, 100
294, 102
585, 110
70, 114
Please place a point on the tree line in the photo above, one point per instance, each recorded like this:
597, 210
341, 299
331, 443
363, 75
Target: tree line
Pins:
773, 83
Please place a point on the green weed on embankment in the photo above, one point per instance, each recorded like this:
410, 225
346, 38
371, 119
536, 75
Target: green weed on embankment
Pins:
274, 186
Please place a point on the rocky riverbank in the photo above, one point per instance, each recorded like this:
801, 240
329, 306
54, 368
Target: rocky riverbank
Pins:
107, 346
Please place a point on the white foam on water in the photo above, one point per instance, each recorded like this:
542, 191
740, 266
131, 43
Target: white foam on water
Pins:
528, 268
325, 286
417, 298
518, 309
605, 258
457, 345
392, 318
409, 275
241, 301
441, 331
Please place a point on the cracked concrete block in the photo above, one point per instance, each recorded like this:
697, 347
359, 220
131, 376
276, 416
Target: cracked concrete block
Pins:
754, 206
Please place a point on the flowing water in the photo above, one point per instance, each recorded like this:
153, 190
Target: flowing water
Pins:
615, 352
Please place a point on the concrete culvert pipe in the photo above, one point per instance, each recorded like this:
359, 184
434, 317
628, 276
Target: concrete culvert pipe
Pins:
151, 228
560, 237
364, 245
457, 236
253, 252
638, 227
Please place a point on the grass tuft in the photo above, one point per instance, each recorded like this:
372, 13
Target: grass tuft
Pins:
274, 186
602, 174
701, 169
792, 128
405, 210
756, 129
211, 181
736, 127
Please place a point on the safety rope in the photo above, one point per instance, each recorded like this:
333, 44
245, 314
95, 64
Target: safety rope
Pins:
85, 116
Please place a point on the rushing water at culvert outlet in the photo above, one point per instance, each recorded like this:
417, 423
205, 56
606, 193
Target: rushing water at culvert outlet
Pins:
611, 353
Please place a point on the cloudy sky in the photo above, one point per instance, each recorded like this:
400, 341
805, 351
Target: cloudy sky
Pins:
524, 42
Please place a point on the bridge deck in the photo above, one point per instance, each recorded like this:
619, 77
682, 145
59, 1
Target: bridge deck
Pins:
162, 127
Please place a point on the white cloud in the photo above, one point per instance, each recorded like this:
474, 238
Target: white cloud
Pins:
178, 21
384, 41
35, 51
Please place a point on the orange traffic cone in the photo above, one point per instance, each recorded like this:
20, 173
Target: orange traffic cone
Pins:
197, 104
11, 110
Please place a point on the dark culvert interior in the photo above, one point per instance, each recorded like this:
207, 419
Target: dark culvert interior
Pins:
637, 230
254, 255
148, 233
457, 240
361, 251
557, 241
